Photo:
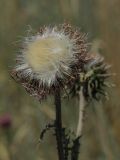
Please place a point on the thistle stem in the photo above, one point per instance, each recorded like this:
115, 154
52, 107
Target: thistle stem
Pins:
58, 125
81, 112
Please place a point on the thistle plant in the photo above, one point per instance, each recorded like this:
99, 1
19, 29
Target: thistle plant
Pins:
56, 61
91, 85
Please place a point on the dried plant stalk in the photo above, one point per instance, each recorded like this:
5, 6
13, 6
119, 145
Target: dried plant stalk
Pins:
81, 112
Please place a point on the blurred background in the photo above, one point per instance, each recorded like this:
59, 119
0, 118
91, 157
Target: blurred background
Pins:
21, 116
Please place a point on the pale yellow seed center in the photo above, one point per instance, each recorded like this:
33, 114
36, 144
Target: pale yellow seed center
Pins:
45, 53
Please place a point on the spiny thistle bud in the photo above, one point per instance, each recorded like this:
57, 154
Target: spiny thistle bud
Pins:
51, 58
93, 79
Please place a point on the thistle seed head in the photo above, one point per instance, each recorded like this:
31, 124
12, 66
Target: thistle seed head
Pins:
51, 58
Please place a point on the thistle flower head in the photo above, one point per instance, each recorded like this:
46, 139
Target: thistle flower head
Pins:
50, 57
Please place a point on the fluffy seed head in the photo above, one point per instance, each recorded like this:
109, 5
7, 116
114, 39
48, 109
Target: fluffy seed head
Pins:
50, 57
47, 56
